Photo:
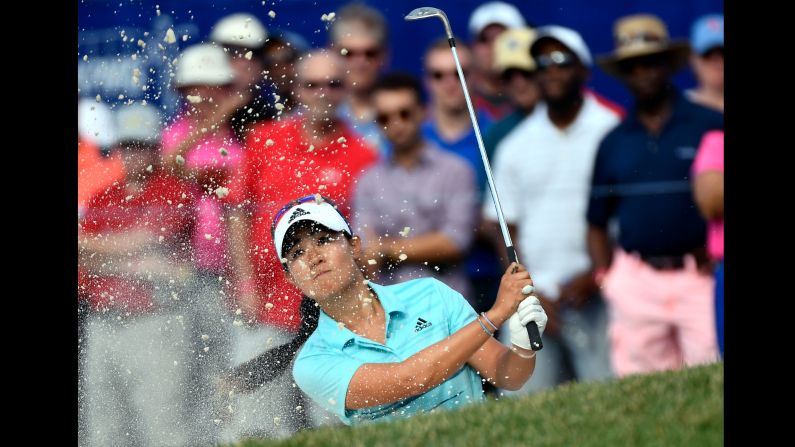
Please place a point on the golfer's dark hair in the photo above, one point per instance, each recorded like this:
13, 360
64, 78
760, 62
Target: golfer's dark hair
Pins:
291, 238
398, 80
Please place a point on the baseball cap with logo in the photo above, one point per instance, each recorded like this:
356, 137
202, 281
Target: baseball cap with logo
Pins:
568, 37
512, 50
314, 208
707, 33
642, 35
239, 30
204, 64
495, 13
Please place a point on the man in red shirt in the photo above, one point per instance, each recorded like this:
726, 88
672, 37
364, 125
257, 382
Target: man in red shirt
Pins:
134, 250
310, 151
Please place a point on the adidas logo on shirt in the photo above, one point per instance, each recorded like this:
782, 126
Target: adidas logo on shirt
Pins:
421, 324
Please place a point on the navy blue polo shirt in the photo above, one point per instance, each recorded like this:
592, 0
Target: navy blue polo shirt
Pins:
644, 181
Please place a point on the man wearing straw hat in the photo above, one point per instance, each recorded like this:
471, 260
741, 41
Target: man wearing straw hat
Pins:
656, 278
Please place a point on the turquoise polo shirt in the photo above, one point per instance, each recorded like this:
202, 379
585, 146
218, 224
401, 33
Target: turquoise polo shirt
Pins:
418, 313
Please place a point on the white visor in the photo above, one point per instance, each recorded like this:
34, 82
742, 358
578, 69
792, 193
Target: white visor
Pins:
323, 213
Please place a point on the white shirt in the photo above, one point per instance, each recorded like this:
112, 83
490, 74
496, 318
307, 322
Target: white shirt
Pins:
543, 178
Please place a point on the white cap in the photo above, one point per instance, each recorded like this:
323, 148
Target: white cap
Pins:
241, 29
204, 64
315, 208
499, 13
138, 122
566, 36
95, 122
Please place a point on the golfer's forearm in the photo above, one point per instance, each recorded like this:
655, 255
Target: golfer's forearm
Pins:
513, 370
383, 383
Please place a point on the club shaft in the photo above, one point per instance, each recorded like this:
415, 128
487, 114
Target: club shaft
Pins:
506, 235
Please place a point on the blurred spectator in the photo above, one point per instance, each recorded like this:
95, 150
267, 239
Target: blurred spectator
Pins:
449, 127
706, 38
95, 123
242, 36
517, 71
201, 146
361, 35
658, 284
135, 253
416, 209
281, 52
97, 167
708, 191
486, 23
312, 150
542, 171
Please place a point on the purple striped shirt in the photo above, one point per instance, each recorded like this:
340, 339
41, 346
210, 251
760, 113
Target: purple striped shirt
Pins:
437, 194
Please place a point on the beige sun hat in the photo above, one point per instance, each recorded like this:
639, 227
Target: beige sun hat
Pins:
642, 35
512, 50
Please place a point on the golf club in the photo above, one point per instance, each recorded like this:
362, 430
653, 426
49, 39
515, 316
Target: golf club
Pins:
428, 12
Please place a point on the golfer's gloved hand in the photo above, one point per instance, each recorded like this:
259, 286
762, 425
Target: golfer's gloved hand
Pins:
529, 310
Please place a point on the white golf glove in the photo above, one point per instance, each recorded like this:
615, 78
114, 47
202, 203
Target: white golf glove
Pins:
529, 310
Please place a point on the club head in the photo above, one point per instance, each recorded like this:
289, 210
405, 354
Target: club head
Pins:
427, 12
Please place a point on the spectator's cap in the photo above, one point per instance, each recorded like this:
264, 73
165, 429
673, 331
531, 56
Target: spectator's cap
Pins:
204, 64
642, 35
707, 33
315, 208
240, 30
296, 41
138, 122
495, 13
95, 122
568, 37
512, 50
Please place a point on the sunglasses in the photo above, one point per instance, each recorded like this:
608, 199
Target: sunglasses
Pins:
332, 84
384, 118
281, 58
653, 61
509, 74
557, 58
438, 75
369, 54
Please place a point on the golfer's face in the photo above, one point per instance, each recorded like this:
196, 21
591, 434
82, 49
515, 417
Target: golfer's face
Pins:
322, 263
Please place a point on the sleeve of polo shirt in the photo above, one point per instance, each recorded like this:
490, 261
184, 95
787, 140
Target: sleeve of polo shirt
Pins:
457, 309
602, 201
324, 376
459, 213
510, 192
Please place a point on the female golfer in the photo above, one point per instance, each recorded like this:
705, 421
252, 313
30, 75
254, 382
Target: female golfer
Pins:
388, 352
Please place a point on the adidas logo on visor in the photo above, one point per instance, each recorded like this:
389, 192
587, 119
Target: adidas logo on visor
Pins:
296, 214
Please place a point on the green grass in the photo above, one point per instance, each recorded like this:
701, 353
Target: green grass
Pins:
682, 408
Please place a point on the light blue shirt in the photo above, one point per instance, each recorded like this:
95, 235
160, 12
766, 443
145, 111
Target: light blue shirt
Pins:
418, 313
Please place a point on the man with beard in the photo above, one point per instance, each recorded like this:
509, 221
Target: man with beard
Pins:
542, 170
657, 280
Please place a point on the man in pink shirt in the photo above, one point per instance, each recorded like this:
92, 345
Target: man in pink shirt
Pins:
708, 193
